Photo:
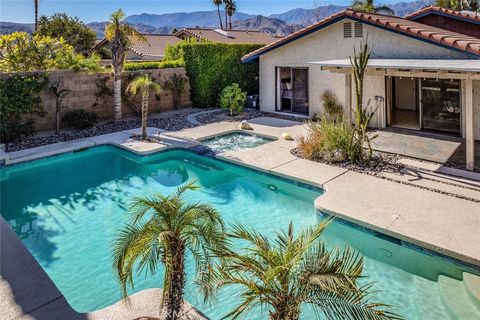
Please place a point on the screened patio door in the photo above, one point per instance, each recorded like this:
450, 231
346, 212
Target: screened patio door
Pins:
292, 90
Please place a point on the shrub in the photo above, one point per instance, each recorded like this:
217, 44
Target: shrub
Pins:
333, 108
20, 103
233, 99
213, 66
79, 119
176, 84
134, 66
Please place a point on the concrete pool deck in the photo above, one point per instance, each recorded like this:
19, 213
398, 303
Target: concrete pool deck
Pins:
442, 223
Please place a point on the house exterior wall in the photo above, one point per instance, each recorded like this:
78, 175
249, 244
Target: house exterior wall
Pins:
329, 44
476, 109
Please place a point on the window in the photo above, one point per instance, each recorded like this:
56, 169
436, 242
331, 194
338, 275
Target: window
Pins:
358, 30
347, 30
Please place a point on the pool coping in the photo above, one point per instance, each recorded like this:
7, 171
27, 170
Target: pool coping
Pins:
123, 141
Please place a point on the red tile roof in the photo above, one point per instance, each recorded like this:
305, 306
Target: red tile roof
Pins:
464, 15
234, 36
400, 25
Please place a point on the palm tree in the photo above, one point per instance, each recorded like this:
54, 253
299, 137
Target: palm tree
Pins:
230, 8
291, 271
35, 4
472, 5
369, 6
218, 3
144, 85
119, 34
162, 230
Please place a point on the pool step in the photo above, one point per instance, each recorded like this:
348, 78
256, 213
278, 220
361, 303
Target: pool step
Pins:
472, 284
456, 298
428, 303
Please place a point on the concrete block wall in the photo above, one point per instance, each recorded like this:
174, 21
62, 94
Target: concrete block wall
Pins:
85, 94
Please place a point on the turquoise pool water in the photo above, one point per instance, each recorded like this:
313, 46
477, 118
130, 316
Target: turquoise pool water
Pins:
68, 209
235, 141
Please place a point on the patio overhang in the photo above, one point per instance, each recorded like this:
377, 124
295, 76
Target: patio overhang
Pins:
461, 69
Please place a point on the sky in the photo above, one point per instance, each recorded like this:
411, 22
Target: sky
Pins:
99, 10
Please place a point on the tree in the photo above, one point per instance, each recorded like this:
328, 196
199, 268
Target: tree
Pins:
232, 98
162, 230
218, 3
35, 4
282, 274
143, 85
369, 6
71, 29
59, 95
473, 5
176, 84
119, 34
230, 8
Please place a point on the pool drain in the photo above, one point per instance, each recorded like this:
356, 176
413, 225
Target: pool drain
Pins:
385, 253
272, 187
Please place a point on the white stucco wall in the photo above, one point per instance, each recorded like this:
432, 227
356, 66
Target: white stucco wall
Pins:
329, 44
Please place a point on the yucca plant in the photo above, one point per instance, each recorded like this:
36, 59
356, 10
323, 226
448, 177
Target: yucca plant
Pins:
143, 85
162, 230
282, 274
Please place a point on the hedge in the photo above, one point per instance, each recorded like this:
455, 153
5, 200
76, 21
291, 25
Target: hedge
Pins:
211, 67
133, 66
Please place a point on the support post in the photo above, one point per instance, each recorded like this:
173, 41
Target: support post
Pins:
348, 98
469, 138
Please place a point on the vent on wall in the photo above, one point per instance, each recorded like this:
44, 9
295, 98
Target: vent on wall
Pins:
358, 30
347, 30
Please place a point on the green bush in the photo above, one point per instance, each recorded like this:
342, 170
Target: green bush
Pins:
233, 99
331, 105
20, 104
79, 119
213, 66
133, 66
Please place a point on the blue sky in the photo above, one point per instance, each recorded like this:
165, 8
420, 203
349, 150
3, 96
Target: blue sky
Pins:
99, 10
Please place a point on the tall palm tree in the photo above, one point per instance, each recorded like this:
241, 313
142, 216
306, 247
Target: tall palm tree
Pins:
369, 6
35, 4
119, 34
282, 274
218, 3
230, 8
162, 230
143, 85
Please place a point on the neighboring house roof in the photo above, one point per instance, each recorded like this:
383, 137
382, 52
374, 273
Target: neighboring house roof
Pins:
423, 32
153, 47
228, 36
468, 16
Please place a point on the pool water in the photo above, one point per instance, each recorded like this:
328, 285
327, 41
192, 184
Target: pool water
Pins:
235, 141
68, 209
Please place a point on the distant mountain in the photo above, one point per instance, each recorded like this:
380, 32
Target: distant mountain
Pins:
99, 28
273, 26
403, 9
307, 16
9, 27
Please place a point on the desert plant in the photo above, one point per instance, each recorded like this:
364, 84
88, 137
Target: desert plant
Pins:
332, 106
176, 84
55, 87
162, 230
119, 34
79, 119
143, 85
283, 274
233, 99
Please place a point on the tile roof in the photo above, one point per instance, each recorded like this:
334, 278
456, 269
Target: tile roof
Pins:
463, 15
154, 46
400, 25
234, 36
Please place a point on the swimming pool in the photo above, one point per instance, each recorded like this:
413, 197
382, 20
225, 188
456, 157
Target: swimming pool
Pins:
68, 209
235, 141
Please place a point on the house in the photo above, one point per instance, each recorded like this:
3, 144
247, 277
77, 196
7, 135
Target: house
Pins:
419, 76
464, 22
150, 50
226, 36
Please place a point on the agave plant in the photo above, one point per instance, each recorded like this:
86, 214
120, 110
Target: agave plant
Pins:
162, 230
282, 274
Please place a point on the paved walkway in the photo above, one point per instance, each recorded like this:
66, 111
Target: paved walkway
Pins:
436, 221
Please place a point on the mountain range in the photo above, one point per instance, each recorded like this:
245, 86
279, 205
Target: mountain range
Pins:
278, 24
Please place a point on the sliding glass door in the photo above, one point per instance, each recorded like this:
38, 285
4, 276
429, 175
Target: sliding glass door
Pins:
292, 90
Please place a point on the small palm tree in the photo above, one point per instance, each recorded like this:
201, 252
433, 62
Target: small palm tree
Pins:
162, 230
218, 3
369, 6
143, 85
290, 271
119, 34
231, 8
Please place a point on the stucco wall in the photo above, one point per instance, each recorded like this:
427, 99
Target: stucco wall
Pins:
476, 109
329, 44
86, 94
